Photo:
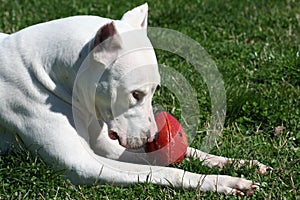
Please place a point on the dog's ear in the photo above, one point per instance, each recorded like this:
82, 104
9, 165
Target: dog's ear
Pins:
137, 17
107, 37
106, 43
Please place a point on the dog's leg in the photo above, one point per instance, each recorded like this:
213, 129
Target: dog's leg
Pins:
219, 161
101, 170
85, 167
68, 151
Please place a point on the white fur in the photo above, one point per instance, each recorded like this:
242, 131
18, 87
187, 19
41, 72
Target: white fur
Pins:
38, 75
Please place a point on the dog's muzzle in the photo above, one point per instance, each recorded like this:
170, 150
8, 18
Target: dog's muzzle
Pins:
130, 144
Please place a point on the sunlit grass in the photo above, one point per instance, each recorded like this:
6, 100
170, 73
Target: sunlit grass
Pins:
255, 45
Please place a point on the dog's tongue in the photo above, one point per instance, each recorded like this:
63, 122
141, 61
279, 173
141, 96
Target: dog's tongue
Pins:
113, 135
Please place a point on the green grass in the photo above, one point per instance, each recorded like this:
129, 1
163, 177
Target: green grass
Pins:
256, 46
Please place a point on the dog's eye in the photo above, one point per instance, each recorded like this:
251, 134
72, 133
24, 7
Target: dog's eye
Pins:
138, 95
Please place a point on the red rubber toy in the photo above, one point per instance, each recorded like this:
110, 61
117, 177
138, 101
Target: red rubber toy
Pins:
171, 145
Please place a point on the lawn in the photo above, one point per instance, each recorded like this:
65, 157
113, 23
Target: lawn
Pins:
256, 47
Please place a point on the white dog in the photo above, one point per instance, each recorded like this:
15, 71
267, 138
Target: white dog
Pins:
78, 92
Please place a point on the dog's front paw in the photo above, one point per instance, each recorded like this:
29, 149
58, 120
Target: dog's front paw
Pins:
235, 186
220, 183
263, 169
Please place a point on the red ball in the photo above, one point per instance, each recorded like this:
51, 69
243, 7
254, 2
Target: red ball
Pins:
171, 144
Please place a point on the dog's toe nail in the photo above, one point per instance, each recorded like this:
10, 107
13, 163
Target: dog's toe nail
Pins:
240, 193
255, 186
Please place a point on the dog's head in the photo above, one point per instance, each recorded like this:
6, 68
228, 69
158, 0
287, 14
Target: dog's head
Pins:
126, 87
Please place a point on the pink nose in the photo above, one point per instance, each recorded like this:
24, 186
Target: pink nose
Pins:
113, 135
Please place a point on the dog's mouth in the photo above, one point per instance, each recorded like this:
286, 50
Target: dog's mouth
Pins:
130, 145
114, 136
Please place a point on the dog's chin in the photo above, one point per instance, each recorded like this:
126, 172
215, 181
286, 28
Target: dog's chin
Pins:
114, 136
132, 146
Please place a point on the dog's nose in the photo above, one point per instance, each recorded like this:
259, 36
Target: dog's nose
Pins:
113, 135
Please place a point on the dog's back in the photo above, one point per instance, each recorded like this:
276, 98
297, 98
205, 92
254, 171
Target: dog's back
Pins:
2, 36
